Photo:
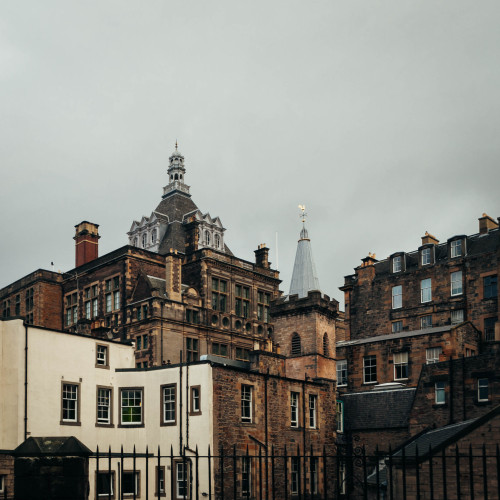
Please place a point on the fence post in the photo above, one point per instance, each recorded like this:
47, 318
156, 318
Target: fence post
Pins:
260, 472
197, 474
272, 473
147, 472
457, 463
96, 470
158, 476
209, 475
391, 491
471, 474
377, 472
173, 473
485, 482
133, 473
122, 460
110, 474
222, 472
286, 472
417, 472
443, 468
235, 492
403, 452
249, 469
431, 473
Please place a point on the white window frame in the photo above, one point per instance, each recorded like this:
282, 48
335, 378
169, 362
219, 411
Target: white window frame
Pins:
294, 409
110, 477
397, 264
397, 297
457, 316
182, 480
127, 390
339, 406
313, 408
440, 390
294, 475
456, 283
136, 476
456, 249
481, 384
341, 368
432, 355
371, 357
400, 361
70, 401
423, 321
101, 355
426, 290
246, 403
425, 256
104, 398
169, 403
195, 399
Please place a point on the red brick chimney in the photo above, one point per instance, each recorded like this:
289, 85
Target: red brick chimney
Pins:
87, 242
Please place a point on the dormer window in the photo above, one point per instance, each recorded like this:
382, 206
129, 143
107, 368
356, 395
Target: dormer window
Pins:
217, 241
136, 242
396, 264
153, 236
144, 240
425, 256
207, 238
456, 248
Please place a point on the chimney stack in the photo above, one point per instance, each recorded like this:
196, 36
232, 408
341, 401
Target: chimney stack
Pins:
86, 242
262, 256
486, 224
429, 238
173, 276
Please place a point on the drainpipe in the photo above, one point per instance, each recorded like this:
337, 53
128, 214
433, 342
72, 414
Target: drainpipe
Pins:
25, 381
180, 404
450, 376
463, 389
187, 406
162, 303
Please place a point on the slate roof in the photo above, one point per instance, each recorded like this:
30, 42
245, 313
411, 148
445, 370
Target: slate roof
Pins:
386, 409
304, 276
36, 446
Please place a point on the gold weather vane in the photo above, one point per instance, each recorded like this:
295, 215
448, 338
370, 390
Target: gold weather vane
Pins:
302, 213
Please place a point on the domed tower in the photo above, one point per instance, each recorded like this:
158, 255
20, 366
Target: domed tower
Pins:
176, 174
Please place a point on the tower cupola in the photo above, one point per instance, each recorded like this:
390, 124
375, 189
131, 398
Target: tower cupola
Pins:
176, 174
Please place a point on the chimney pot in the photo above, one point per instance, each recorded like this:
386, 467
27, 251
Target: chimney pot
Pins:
86, 242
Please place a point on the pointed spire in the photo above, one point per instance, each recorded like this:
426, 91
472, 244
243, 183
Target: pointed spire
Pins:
304, 277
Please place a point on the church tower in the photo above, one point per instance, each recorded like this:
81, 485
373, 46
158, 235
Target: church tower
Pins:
305, 319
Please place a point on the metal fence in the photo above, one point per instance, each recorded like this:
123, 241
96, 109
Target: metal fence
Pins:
258, 473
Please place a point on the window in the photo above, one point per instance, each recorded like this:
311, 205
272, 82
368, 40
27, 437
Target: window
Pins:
294, 470
18, 305
342, 477
294, 409
217, 240
130, 485
326, 349
242, 301
483, 393
296, 346
139, 314
489, 329
108, 303
489, 287
6, 309
369, 369
397, 326
104, 405
142, 342
169, 404
144, 240
191, 349
400, 360
219, 349
101, 355
192, 316
246, 477
71, 308
246, 403
116, 300
469, 352
432, 355
207, 238
440, 396
2, 483
342, 372
195, 400
456, 283
181, 480
426, 321
313, 405
314, 475
160, 480
113, 294
105, 481
29, 299
153, 236
145, 311
397, 297
242, 354
70, 410
426, 290
131, 406
340, 416
396, 264
219, 295
456, 248
263, 300
426, 256
457, 316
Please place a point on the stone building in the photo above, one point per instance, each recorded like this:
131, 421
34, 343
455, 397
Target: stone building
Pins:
419, 307
175, 288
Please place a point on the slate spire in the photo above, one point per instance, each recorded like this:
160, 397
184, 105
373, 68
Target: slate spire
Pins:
304, 277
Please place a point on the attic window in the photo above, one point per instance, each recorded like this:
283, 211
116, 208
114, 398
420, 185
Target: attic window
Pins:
207, 238
217, 241
144, 240
153, 236
296, 347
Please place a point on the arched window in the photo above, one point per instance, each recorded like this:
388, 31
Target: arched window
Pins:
207, 238
153, 236
144, 240
136, 242
217, 241
180, 177
326, 351
296, 348
176, 177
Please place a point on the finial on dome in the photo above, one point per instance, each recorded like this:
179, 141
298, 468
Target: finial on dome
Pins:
176, 144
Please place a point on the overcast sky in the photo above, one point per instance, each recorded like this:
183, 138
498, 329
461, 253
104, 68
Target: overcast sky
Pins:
382, 117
